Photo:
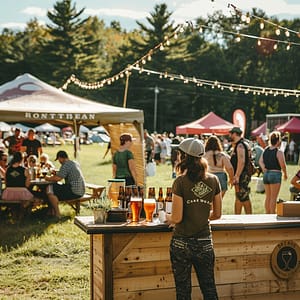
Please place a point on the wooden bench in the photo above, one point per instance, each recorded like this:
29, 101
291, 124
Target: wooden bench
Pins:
75, 203
94, 194
96, 190
20, 208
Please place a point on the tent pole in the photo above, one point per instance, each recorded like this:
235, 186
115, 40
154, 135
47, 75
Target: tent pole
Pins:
126, 89
76, 126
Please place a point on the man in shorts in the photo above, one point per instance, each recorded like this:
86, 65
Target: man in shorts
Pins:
241, 179
73, 186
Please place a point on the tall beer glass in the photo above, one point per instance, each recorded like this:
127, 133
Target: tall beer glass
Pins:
136, 207
149, 207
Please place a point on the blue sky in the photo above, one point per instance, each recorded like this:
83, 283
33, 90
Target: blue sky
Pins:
16, 13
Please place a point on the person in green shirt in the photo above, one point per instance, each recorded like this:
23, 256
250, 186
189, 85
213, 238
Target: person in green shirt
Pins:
123, 161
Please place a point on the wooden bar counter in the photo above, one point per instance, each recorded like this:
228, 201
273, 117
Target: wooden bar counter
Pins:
257, 257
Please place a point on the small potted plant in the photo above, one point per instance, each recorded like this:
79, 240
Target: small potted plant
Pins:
101, 209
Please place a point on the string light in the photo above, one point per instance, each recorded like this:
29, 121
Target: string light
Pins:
232, 87
240, 35
199, 82
142, 61
262, 25
262, 21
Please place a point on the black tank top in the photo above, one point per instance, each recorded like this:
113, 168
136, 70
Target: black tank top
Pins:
234, 159
270, 159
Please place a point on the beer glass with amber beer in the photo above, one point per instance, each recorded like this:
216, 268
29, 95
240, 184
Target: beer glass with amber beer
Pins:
136, 207
149, 208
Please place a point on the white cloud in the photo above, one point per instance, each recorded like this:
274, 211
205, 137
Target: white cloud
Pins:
13, 25
35, 11
124, 13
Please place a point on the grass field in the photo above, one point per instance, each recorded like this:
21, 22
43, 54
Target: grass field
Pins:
42, 259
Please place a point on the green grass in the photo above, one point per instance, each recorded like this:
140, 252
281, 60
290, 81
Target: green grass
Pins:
41, 259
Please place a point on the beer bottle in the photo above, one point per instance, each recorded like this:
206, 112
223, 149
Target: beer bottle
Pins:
121, 197
160, 200
127, 197
141, 195
168, 200
135, 191
151, 193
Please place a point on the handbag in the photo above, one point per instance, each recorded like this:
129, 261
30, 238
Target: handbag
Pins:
150, 168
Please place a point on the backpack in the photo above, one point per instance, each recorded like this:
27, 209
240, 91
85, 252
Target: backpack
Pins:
249, 165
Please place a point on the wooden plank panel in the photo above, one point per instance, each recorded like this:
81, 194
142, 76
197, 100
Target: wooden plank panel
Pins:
143, 283
255, 235
120, 241
142, 269
166, 294
262, 288
143, 255
279, 296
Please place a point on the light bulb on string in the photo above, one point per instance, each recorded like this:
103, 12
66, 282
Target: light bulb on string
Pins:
258, 42
287, 33
275, 46
243, 18
277, 31
248, 19
288, 47
238, 39
261, 25
161, 48
200, 29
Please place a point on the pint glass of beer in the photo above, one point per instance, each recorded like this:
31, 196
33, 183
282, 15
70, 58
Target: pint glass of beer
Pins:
136, 207
149, 208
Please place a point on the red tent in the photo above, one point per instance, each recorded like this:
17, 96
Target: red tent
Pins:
260, 129
292, 126
210, 123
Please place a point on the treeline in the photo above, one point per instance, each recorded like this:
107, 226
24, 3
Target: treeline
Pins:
91, 50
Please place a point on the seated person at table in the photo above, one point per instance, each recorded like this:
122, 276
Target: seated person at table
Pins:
45, 162
17, 179
74, 186
295, 185
3, 164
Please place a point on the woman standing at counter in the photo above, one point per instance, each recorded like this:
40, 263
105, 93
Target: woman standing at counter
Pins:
196, 200
273, 164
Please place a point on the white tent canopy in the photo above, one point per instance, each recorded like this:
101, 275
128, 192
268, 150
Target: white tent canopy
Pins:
47, 127
4, 126
28, 99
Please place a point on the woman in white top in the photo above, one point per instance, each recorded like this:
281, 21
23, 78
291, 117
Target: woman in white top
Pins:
218, 162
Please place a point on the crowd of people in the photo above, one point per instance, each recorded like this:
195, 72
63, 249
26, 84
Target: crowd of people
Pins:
229, 159
22, 160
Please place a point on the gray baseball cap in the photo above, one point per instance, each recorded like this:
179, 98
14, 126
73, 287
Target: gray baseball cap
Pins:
192, 147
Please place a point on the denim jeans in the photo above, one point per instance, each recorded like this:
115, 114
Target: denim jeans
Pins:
188, 252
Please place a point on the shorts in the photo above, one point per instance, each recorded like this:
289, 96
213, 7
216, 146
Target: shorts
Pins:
64, 192
272, 177
223, 180
244, 189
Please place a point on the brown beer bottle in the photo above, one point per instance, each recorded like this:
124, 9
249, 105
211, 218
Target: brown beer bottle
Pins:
160, 200
151, 193
127, 197
168, 200
121, 197
141, 195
